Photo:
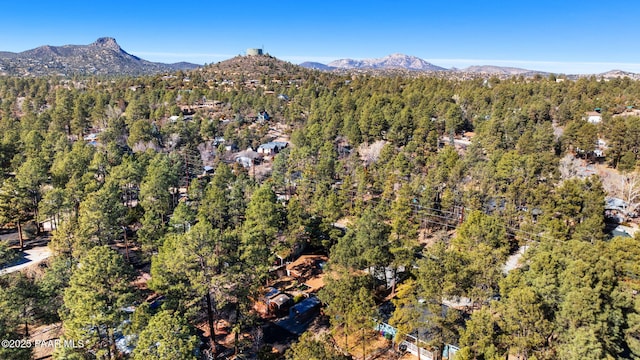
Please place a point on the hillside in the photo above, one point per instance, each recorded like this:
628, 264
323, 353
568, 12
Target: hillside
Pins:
253, 67
102, 57
500, 70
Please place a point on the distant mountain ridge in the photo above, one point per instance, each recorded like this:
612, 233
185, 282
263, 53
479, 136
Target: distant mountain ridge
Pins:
316, 66
393, 61
415, 64
503, 70
102, 57
412, 63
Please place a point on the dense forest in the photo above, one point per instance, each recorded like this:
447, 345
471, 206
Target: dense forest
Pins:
437, 182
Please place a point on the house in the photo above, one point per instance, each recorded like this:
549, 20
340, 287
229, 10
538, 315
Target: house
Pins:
305, 309
245, 161
615, 210
218, 140
615, 204
246, 158
263, 116
274, 302
594, 117
208, 169
231, 147
308, 270
91, 137
280, 302
307, 266
272, 147
620, 230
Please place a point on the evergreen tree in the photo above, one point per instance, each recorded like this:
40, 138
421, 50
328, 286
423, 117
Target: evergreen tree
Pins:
99, 289
167, 337
264, 219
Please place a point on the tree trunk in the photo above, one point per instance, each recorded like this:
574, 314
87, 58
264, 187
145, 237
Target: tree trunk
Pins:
346, 337
36, 214
238, 328
393, 281
107, 339
364, 344
126, 244
212, 332
112, 345
26, 323
20, 236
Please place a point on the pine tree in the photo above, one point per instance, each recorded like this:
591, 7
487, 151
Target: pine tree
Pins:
166, 337
98, 291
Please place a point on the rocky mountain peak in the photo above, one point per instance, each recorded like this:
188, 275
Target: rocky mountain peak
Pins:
107, 42
102, 57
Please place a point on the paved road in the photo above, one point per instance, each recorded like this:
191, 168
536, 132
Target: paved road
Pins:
29, 257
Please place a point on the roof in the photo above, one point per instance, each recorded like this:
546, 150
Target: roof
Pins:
273, 145
250, 154
307, 265
612, 203
271, 291
620, 231
218, 140
305, 305
458, 302
280, 299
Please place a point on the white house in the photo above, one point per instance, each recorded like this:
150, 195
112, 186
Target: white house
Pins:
246, 158
272, 147
594, 117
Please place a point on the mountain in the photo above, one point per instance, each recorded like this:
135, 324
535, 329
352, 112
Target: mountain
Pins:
252, 68
499, 70
394, 61
102, 57
316, 66
612, 74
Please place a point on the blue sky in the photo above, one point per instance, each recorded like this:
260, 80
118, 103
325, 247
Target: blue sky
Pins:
558, 36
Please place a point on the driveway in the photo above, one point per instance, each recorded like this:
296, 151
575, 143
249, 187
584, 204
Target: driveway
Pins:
29, 257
